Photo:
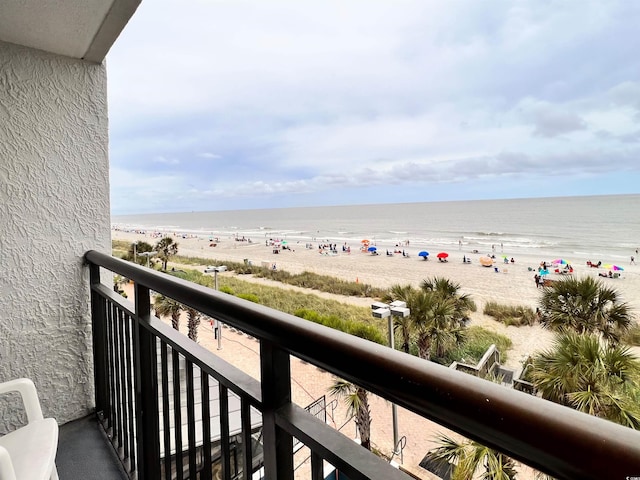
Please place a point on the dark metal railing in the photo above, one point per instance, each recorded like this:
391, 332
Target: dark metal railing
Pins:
140, 414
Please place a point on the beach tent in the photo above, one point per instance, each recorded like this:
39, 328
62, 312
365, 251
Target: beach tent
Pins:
486, 261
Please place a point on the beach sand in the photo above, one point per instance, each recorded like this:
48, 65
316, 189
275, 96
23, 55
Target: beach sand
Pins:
512, 285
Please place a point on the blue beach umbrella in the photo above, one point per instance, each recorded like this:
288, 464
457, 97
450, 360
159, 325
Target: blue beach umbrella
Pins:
372, 249
423, 254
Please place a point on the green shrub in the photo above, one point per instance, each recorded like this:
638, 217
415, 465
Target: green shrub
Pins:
323, 283
226, 289
358, 329
510, 315
249, 296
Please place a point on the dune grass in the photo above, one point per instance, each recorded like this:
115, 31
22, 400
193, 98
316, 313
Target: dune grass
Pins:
510, 315
313, 281
632, 336
290, 301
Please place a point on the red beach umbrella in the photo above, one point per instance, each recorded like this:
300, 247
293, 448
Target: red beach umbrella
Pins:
442, 255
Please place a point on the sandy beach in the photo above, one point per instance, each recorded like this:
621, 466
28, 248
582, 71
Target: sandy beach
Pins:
513, 284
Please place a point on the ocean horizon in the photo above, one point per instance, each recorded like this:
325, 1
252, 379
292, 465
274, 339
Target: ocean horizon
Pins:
581, 228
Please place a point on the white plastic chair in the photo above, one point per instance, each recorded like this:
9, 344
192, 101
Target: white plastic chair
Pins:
29, 453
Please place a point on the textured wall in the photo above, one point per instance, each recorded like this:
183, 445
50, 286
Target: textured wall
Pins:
54, 205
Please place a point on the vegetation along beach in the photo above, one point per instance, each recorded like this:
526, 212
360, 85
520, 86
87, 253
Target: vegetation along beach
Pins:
381, 249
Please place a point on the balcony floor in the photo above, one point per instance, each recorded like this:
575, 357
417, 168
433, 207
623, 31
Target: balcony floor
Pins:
85, 452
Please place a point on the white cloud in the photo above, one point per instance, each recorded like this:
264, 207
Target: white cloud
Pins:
209, 155
166, 161
285, 98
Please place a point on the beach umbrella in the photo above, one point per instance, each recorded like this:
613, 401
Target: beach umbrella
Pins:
364, 241
442, 255
372, 249
560, 261
486, 261
423, 253
613, 267
543, 272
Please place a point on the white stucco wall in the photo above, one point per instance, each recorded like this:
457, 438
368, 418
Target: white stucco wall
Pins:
54, 205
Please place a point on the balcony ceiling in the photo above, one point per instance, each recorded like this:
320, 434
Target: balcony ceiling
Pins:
83, 29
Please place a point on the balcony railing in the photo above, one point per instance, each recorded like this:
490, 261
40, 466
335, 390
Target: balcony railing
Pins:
175, 410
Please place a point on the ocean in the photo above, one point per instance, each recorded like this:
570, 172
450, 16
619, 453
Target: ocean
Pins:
579, 228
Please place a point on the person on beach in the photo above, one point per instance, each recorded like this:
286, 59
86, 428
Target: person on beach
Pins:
536, 277
633, 260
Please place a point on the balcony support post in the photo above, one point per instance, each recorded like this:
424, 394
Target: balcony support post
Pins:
276, 392
146, 390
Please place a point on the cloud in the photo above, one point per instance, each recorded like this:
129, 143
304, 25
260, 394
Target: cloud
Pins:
312, 101
551, 120
208, 155
166, 161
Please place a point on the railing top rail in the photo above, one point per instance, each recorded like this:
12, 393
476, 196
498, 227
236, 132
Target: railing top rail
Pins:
555, 439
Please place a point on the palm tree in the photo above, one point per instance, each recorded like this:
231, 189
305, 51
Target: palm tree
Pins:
590, 375
138, 248
193, 322
165, 306
585, 306
438, 315
166, 248
468, 457
434, 322
445, 288
357, 402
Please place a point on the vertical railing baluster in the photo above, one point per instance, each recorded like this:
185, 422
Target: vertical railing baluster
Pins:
166, 410
317, 470
191, 421
122, 415
177, 414
275, 370
247, 451
131, 397
206, 427
99, 332
225, 447
146, 390
112, 388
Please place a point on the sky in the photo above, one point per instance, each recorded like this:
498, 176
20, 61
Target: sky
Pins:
245, 104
